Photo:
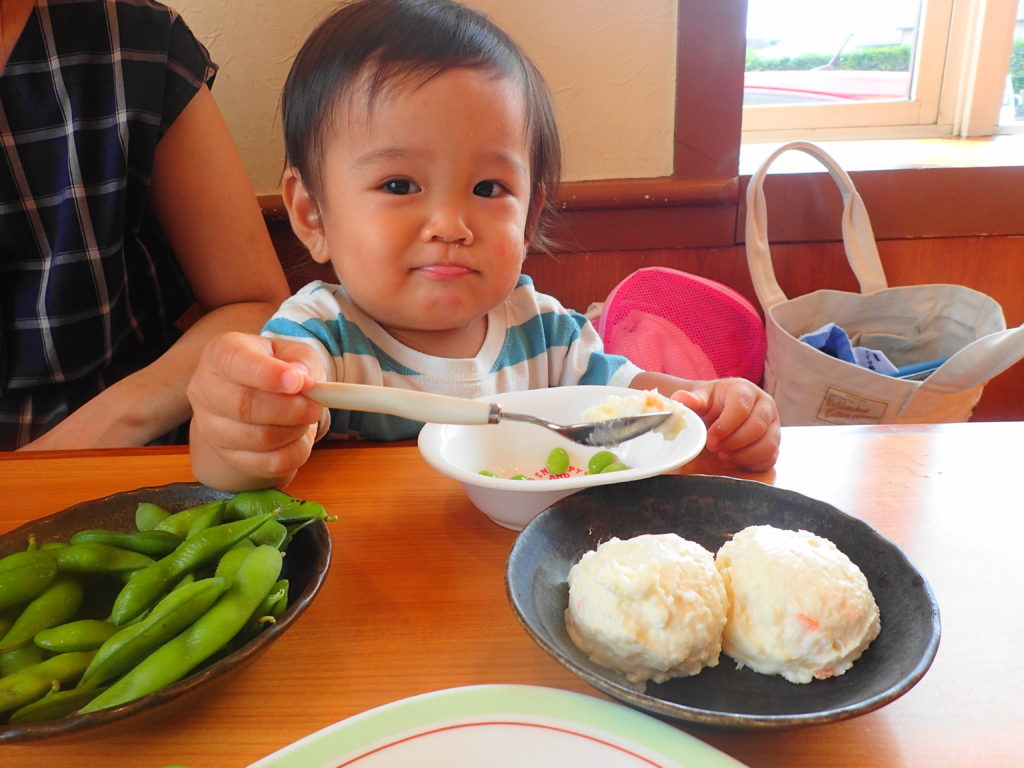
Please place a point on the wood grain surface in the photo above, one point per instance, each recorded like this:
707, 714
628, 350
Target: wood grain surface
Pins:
415, 598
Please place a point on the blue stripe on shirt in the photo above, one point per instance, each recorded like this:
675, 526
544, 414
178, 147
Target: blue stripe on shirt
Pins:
601, 368
538, 335
339, 338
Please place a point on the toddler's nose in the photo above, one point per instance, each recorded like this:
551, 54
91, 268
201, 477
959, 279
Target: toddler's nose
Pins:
447, 225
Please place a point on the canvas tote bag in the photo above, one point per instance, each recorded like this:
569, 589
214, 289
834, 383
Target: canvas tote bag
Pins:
908, 324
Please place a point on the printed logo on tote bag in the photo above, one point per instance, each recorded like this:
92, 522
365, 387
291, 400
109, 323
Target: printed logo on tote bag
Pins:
841, 407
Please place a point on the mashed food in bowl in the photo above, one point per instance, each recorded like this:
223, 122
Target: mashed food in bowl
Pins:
652, 607
648, 401
799, 607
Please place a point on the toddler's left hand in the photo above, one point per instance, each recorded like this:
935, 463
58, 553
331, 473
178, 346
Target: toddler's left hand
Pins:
742, 420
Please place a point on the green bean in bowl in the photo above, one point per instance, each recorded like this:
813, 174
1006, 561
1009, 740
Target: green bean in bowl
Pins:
120, 606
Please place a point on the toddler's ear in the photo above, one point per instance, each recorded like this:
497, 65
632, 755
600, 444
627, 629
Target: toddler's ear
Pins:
304, 215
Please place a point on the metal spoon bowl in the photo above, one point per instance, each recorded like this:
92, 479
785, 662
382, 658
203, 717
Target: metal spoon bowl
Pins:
444, 409
596, 433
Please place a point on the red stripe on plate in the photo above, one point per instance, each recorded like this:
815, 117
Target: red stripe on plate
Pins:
354, 760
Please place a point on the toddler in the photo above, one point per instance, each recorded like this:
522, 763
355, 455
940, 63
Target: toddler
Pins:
422, 156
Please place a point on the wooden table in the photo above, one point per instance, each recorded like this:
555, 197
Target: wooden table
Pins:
415, 598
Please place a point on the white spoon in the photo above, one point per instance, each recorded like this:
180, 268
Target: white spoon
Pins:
444, 409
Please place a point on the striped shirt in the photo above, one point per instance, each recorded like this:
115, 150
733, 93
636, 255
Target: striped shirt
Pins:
89, 289
532, 342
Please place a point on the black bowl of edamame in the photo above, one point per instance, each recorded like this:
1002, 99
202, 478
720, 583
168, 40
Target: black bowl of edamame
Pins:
303, 536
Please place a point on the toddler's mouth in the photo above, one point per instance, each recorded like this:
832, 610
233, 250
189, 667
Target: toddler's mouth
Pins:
446, 270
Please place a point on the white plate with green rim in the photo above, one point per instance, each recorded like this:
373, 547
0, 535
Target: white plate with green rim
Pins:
500, 726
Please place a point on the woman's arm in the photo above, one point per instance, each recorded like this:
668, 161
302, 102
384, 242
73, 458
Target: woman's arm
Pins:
205, 203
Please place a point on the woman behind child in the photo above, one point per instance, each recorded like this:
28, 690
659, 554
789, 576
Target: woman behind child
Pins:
123, 203
422, 157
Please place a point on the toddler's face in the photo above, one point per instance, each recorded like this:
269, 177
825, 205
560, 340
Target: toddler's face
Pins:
425, 204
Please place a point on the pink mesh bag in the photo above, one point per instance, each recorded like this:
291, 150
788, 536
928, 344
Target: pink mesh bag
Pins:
674, 322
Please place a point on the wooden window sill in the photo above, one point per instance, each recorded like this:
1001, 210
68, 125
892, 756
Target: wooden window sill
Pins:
911, 188
895, 154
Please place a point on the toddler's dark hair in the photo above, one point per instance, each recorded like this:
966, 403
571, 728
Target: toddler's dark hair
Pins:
382, 43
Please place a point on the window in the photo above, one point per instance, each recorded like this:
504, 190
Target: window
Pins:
880, 68
1011, 108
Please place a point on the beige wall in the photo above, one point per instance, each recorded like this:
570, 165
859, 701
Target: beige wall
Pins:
610, 64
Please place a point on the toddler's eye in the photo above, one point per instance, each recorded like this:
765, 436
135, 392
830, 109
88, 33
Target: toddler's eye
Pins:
488, 189
400, 187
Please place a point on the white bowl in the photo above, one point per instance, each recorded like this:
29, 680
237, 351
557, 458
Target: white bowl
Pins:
510, 448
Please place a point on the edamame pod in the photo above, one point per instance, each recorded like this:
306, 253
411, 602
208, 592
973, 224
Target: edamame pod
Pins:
58, 603
285, 508
250, 503
20, 658
188, 578
129, 645
148, 516
52, 706
79, 635
24, 582
147, 584
24, 557
152, 543
271, 532
302, 511
32, 683
276, 602
268, 612
91, 557
229, 562
211, 515
180, 655
179, 522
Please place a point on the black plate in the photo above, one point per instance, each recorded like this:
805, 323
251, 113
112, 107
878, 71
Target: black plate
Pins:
305, 567
709, 510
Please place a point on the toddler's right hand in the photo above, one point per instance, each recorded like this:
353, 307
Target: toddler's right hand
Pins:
251, 426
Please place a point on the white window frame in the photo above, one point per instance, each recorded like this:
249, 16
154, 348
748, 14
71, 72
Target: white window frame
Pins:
961, 61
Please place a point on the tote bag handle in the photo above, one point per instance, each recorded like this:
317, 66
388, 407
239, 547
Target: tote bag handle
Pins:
975, 364
858, 237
